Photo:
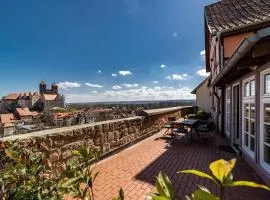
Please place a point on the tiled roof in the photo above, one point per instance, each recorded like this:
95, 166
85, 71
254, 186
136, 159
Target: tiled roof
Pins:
7, 118
62, 115
233, 14
20, 95
50, 97
12, 96
23, 112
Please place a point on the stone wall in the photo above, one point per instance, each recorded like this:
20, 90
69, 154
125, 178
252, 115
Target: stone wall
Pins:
106, 136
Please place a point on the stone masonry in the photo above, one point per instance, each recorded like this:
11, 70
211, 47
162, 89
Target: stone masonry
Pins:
106, 136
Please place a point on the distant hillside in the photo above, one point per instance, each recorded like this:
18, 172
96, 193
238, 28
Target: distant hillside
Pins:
134, 104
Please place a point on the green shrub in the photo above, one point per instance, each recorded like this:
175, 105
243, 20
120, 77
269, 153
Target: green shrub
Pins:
201, 115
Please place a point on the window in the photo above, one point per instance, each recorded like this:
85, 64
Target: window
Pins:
249, 88
267, 83
249, 116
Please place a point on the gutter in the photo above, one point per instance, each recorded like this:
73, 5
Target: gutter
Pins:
242, 49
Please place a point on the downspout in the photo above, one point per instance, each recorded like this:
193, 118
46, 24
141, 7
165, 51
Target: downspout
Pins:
217, 111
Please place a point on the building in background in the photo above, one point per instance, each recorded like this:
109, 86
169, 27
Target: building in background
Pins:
237, 45
203, 95
44, 100
25, 115
7, 124
50, 98
28, 99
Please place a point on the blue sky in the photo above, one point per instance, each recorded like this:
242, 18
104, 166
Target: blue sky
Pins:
103, 50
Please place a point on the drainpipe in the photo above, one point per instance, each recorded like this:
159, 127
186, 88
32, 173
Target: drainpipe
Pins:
218, 110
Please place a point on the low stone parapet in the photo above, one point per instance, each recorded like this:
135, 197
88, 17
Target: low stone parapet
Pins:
106, 136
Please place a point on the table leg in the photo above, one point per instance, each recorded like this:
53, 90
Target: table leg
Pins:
191, 130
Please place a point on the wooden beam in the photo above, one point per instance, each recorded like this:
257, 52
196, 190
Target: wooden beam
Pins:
246, 63
261, 50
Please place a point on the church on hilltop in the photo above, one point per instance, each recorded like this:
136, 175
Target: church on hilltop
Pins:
45, 99
50, 98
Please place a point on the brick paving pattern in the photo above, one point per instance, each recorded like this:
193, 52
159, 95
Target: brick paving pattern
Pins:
135, 169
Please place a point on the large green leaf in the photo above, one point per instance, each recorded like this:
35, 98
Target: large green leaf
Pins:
247, 184
197, 173
221, 169
164, 186
202, 194
157, 197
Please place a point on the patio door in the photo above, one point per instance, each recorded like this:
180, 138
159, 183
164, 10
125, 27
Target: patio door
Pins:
265, 120
248, 116
235, 115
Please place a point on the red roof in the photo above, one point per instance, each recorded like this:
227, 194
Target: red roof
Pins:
7, 118
50, 97
12, 96
25, 112
62, 115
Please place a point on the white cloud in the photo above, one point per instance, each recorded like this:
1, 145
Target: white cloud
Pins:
93, 85
175, 34
124, 73
202, 53
134, 94
116, 87
176, 77
157, 88
99, 71
114, 75
185, 75
202, 72
67, 85
155, 82
163, 66
130, 85
94, 92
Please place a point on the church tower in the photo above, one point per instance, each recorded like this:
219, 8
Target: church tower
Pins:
54, 88
42, 87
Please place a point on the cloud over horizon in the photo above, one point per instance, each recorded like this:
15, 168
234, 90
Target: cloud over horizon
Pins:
133, 94
67, 85
93, 85
202, 72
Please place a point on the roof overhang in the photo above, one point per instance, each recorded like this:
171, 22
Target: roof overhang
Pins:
195, 89
251, 52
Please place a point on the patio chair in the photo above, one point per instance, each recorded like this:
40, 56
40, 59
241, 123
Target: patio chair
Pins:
179, 132
168, 125
205, 130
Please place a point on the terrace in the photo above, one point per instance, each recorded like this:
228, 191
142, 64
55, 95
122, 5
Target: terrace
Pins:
135, 169
134, 151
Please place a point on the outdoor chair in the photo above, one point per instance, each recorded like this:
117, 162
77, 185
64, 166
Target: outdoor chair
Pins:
179, 132
168, 125
205, 130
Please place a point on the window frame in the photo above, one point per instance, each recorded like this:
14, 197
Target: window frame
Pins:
264, 99
248, 100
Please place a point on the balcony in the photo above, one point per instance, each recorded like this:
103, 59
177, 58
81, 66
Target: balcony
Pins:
135, 169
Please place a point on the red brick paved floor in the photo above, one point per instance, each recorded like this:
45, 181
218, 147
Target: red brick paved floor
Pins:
135, 169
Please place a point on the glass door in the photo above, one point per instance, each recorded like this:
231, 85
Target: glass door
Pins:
248, 116
265, 121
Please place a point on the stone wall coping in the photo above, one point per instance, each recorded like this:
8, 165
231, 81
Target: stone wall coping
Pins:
64, 129
163, 110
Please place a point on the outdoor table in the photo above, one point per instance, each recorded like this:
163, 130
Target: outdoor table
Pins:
189, 123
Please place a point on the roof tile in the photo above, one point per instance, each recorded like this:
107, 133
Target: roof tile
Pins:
232, 14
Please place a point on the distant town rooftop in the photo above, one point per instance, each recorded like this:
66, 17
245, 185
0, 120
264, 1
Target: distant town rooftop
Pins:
159, 111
